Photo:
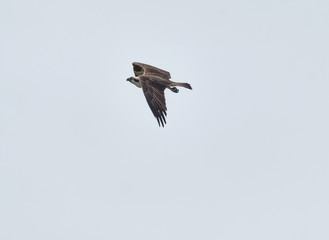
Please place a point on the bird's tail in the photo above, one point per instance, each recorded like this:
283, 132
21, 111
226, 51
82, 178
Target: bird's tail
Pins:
185, 85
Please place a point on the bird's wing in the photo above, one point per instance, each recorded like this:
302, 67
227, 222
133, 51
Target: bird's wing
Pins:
154, 94
144, 69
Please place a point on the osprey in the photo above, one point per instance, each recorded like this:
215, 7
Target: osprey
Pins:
154, 81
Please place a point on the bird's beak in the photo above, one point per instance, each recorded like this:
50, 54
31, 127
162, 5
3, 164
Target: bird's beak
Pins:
128, 79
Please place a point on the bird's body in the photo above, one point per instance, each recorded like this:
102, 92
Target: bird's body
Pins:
154, 81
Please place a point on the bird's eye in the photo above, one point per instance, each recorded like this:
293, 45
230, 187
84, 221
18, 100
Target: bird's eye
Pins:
136, 80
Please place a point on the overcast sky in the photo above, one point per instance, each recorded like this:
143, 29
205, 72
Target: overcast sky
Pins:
244, 155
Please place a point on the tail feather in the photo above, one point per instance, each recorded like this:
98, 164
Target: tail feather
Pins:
185, 85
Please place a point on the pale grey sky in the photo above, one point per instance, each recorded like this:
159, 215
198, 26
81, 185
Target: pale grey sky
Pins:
244, 154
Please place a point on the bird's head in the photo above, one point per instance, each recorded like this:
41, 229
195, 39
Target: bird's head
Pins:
135, 81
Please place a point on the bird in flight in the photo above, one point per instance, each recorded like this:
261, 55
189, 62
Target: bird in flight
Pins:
154, 81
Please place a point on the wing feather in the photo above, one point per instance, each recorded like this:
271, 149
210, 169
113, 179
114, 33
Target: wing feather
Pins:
154, 94
145, 69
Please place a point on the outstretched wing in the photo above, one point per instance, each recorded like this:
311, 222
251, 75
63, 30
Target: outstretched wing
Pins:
154, 94
144, 69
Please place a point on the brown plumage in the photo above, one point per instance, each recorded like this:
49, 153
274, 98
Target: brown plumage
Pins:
154, 81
